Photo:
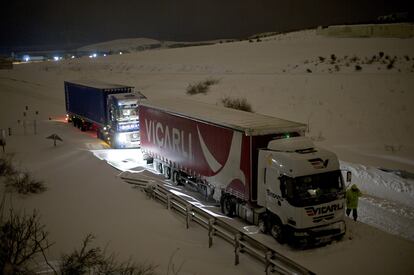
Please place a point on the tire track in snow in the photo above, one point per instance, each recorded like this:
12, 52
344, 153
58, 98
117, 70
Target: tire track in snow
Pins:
389, 216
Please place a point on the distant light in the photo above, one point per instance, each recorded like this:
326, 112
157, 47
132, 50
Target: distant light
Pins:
94, 55
56, 58
60, 58
120, 52
72, 57
104, 54
26, 58
90, 56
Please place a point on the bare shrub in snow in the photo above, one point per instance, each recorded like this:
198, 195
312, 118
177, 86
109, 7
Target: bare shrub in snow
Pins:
23, 183
392, 148
237, 103
308, 70
93, 260
6, 166
391, 64
354, 58
201, 87
198, 88
358, 68
22, 239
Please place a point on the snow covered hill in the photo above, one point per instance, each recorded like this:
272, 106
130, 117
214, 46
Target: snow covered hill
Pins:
363, 113
132, 45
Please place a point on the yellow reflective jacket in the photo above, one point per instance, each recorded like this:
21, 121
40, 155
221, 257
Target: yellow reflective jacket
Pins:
352, 196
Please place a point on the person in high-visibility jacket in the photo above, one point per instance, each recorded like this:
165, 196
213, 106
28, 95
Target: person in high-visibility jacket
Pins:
352, 196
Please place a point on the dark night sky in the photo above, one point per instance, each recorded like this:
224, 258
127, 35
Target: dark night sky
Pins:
63, 23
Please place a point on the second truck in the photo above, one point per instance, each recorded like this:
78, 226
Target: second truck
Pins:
260, 168
109, 109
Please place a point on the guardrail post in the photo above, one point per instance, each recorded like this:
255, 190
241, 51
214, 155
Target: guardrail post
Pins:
150, 191
210, 232
236, 249
269, 266
188, 210
169, 201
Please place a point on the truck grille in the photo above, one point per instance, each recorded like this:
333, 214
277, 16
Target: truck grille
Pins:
327, 232
325, 217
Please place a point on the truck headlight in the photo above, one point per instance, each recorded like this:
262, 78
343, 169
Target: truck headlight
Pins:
122, 139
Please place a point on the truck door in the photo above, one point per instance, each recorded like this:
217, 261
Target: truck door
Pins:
274, 199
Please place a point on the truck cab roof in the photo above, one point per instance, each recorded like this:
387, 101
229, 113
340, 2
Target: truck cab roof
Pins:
297, 164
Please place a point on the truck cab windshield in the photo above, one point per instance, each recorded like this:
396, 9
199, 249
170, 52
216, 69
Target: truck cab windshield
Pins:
128, 113
318, 188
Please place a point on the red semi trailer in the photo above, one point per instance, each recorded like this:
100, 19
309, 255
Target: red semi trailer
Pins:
258, 167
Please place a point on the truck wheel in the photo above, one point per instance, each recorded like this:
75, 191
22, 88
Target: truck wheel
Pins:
228, 206
277, 231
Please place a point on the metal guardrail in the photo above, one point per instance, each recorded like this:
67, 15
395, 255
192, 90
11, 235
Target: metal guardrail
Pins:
242, 242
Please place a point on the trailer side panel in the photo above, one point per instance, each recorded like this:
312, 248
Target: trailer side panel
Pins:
87, 102
221, 155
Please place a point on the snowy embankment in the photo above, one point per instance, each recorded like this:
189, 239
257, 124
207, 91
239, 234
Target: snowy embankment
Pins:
364, 115
381, 184
388, 201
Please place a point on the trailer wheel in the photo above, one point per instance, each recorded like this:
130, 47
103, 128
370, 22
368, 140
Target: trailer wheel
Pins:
175, 178
277, 230
167, 171
159, 168
228, 206
263, 224
99, 134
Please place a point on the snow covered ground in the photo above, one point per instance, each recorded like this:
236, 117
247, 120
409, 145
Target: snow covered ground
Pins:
364, 115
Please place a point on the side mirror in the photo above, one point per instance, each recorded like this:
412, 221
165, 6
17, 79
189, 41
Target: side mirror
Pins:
348, 176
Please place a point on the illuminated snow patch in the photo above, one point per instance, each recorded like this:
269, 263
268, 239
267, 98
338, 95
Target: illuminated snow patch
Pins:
251, 229
121, 159
182, 195
196, 203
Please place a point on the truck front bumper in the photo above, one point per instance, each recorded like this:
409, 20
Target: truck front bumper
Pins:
318, 235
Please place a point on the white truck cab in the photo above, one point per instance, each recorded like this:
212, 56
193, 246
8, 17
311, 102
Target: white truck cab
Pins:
302, 189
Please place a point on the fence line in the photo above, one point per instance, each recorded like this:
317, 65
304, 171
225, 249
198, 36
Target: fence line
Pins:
242, 242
